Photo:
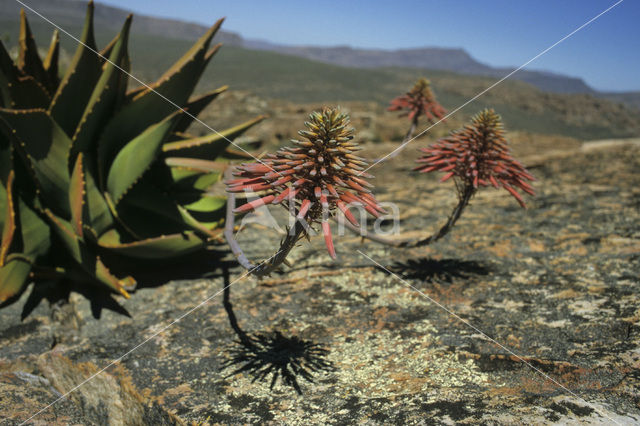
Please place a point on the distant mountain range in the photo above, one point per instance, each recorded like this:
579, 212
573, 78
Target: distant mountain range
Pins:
66, 12
433, 58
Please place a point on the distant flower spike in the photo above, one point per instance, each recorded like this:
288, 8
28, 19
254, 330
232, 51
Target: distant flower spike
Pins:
419, 101
478, 155
321, 174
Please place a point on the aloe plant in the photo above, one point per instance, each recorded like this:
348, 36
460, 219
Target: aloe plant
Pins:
92, 173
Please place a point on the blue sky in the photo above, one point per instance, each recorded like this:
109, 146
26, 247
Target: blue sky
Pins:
606, 54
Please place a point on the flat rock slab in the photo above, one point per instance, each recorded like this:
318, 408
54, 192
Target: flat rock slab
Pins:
518, 316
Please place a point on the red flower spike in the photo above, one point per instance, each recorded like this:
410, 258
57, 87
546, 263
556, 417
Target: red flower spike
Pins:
478, 155
420, 100
323, 169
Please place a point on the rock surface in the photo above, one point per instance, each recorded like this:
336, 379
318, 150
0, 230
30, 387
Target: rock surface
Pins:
411, 342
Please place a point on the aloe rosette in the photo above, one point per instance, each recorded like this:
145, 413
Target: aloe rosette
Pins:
92, 173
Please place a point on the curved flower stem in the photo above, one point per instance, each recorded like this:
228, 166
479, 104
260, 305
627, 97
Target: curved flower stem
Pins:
272, 263
244, 338
463, 200
412, 129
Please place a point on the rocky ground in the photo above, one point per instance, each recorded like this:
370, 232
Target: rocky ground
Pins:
411, 342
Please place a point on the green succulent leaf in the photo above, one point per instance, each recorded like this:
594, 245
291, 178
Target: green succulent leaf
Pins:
81, 77
7, 67
13, 276
209, 146
145, 210
97, 214
136, 157
105, 95
192, 174
76, 196
189, 180
34, 236
34, 231
29, 61
149, 105
51, 62
45, 146
210, 229
195, 164
85, 256
195, 107
18, 90
208, 211
165, 246
9, 217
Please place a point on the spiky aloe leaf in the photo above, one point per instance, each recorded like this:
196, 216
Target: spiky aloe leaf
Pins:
45, 147
193, 181
13, 276
86, 258
34, 232
76, 87
209, 146
8, 76
165, 246
136, 157
76, 196
8, 217
33, 242
103, 99
19, 90
208, 210
208, 229
196, 106
89, 209
145, 210
51, 61
195, 164
29, 61
148, 107
193, 175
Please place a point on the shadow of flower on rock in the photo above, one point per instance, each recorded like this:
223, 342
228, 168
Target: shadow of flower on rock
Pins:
438, 270
272, 355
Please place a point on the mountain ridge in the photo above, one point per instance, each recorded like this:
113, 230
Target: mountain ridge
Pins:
435, 58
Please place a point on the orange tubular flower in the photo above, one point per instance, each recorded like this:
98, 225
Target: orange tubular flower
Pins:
418, 101
313, 179
478, 155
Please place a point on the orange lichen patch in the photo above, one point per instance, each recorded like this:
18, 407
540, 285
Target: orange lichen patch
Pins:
578, 251
183, 389
406, 383
513, 341
567, 294
537, 246
501, 248
619, 245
